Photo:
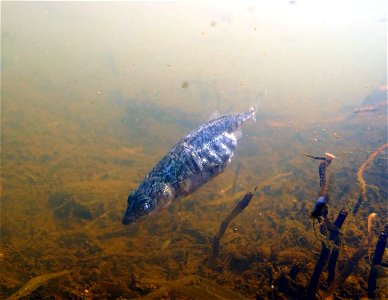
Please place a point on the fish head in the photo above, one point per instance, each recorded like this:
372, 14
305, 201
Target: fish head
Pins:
139, 206
149, 198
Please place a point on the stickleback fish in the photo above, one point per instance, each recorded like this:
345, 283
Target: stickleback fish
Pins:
194, 160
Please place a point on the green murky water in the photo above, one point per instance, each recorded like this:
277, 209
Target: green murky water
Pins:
94, 94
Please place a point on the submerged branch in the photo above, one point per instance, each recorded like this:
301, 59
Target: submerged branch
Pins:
238, 209
327, 228
334, 236
313, 284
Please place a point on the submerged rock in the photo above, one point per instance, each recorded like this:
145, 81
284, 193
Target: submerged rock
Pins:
65, 207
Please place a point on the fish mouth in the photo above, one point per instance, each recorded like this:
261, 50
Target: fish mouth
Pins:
127, 220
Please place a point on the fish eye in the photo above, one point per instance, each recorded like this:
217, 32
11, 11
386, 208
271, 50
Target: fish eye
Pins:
145, 207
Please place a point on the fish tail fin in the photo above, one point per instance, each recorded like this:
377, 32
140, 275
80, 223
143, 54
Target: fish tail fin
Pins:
253, 109
255, 106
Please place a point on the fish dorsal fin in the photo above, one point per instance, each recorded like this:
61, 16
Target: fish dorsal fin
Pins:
214, 116
238, 133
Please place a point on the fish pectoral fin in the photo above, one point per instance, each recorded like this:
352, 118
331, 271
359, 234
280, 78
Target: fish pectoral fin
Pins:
182, 187
186, 185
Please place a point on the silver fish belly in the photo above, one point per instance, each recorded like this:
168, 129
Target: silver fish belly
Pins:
194, 160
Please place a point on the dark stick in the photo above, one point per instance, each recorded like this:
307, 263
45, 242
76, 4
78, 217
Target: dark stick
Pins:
322, 177
332, 264
320, 212
341, 218
380, 247
313, 285
315, 157
238, 209
358, 204
322, 172
320, 203
334, 236
377, 259
325, 252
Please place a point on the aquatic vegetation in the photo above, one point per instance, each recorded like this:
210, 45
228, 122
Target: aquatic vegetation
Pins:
258, 252
329, 230
194, 287
360, 179
35, 283
371, 225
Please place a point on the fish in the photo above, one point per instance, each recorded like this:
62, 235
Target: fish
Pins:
196, 159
